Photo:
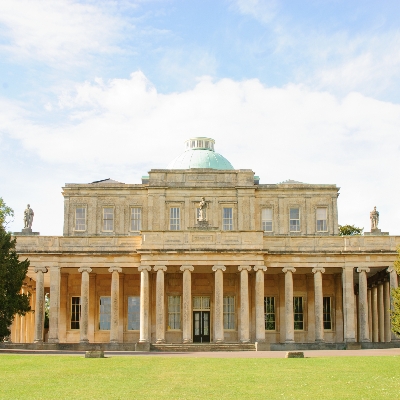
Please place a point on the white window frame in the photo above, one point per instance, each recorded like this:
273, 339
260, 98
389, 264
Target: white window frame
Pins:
267, 220
79, 226
136, 219
133, 317
227, 220
175, 219
294, 223
229, 312
270, 313
104, 313
174, 312
105, 220
323, 222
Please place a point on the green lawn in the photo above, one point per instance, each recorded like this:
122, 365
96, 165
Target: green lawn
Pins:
72, 377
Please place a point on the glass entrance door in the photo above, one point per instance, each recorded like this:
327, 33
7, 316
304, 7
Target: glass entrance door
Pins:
201, 326
201, 319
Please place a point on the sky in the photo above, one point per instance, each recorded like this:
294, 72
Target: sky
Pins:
305, 90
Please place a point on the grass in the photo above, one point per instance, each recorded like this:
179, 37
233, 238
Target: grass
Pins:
62, 377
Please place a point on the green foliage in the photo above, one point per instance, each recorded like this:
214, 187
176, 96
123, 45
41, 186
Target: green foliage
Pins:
396, 264
349, 230
12, 275
5, 212
395, 313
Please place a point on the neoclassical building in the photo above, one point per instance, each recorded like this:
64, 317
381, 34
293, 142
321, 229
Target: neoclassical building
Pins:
202, 252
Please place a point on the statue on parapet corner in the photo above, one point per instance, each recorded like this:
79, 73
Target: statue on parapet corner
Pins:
202, 210
374, 217
28, 217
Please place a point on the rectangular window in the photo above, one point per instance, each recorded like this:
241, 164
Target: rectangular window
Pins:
174, 218
80, 219
105, 313
108, 219
298, 313
269, 312
266, 218
321, 219
294, 220
75, 312
327, 313
133, 313
229, 312
227, 219
136, 219
174, 312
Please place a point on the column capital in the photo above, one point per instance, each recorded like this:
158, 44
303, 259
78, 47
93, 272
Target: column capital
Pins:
391, 269
219, 267
363, 269
160, 268
187, 268
40, 269
85, 269
260, 268
115, 269
244, 268
288, 269
318, 269
144, 268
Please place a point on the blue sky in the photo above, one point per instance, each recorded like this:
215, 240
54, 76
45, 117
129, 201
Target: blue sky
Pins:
304, 90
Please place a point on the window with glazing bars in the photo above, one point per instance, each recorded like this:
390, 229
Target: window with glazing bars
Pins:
266, 219
75, 312
229, 312
136, 219
108, 219
327, 313
227, 219
105, 313
174, 312
321, 216
298, 313
80, 219
133, 313
174, 218
269, 312
294, 220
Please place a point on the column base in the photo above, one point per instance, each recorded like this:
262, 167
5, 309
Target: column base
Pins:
38, 341
218, 341
185, 341
53, 340
244, 340
289, 341
160, 341
319, 340
84, 341
114, 341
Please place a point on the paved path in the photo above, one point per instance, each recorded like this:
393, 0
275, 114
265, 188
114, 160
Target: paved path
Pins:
216, 354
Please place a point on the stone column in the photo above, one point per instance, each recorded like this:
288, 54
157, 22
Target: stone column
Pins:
39, 306
260, 316
84, 322
370, 313
144, 304
160, 301
187, 303
55, 279
219, 303
375, 327
244, 334
363, 304
114, 304
393, 285
348, 305
386, 302
289, 317
381, 313
318, 304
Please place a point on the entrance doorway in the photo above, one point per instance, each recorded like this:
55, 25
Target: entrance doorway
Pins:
201, 319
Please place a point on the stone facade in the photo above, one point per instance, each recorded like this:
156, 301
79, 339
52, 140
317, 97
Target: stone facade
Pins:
135, 266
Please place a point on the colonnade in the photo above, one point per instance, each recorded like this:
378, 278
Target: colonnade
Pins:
375, 302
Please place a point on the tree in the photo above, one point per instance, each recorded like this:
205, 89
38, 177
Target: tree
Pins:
349, 230
395, 313
12, 275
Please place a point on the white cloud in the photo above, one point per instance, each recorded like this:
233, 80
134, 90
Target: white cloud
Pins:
57, 32
262, 10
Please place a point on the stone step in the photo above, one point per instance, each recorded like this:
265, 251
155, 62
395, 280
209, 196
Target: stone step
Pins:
194, 347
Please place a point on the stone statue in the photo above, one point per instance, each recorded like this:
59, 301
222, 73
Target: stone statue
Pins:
374, 217
202, 209
28, 217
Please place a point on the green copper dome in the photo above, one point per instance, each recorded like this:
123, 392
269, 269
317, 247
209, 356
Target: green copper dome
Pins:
200, 153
